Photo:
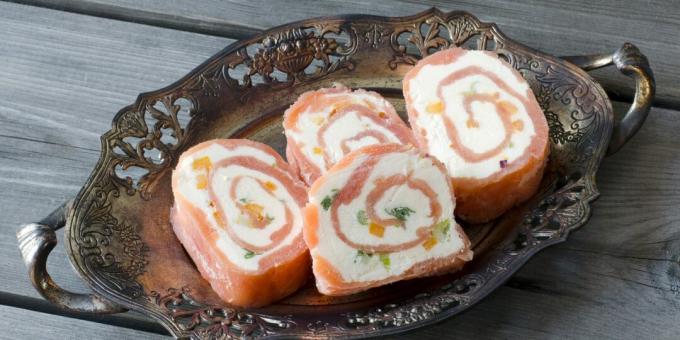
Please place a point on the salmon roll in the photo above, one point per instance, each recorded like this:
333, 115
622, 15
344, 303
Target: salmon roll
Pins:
383, 213
478, 116
323, 126
238, 212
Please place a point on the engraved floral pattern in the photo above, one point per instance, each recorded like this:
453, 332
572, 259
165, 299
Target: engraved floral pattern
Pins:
420, 308
282, 59
211, 322
555, 93
435, 33
148, 148
374, 35
102, 235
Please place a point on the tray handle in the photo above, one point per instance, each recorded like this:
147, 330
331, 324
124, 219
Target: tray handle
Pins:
631, 62
36, 241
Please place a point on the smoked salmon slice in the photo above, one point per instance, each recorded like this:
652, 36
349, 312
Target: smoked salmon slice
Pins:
478, 116
324, 125
238, 212
383, 213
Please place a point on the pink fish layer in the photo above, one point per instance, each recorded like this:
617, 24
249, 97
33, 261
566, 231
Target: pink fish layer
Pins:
478, 116
384, 213
238, 214
323, 126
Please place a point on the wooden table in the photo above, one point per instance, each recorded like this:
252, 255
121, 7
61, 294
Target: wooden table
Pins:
66, 66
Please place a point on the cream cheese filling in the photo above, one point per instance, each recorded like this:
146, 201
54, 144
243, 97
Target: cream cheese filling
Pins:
490, 132
356, 268
248, 189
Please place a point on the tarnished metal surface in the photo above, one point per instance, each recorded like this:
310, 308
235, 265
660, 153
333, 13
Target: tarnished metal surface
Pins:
630, 61
36, 241
120, 240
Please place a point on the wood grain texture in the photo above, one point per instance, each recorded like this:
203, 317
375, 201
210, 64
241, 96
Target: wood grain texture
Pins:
65, 75
554, 26
14, 321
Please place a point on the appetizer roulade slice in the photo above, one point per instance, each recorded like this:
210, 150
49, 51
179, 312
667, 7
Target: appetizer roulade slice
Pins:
477, 115
384, 213
238, 213
323, 126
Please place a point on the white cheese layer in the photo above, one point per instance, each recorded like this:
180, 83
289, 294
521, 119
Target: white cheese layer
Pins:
249, 190
357, 268
348, 126
490, 132
309, 123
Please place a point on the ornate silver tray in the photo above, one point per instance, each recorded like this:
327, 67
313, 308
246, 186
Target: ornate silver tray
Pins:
117, 230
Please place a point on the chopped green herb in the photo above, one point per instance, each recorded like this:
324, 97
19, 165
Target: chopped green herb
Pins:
400, 213
243, 200
362, 256
249, 254
444, 226
269, 218
328, 200
385, 259
362, 218
441, 229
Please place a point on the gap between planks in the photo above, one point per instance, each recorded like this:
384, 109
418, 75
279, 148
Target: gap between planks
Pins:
44, 306
205, 26
220, 28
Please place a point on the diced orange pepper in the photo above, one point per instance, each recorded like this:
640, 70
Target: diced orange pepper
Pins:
317, 150
471, 123
270, 186
376, 229
507, 107
218, 218
431, 242
202, 182
382, 115
254, 208
202, 163
318, 120
518, 125
338, 106
254, 211
435, 107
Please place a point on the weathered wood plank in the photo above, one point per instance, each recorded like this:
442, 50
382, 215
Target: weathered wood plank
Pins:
130, 319
64, 76
17, 323
556, 27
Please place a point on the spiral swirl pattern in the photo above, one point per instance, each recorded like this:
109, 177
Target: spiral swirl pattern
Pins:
323, 126
382, 214
478, 116
238, 213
